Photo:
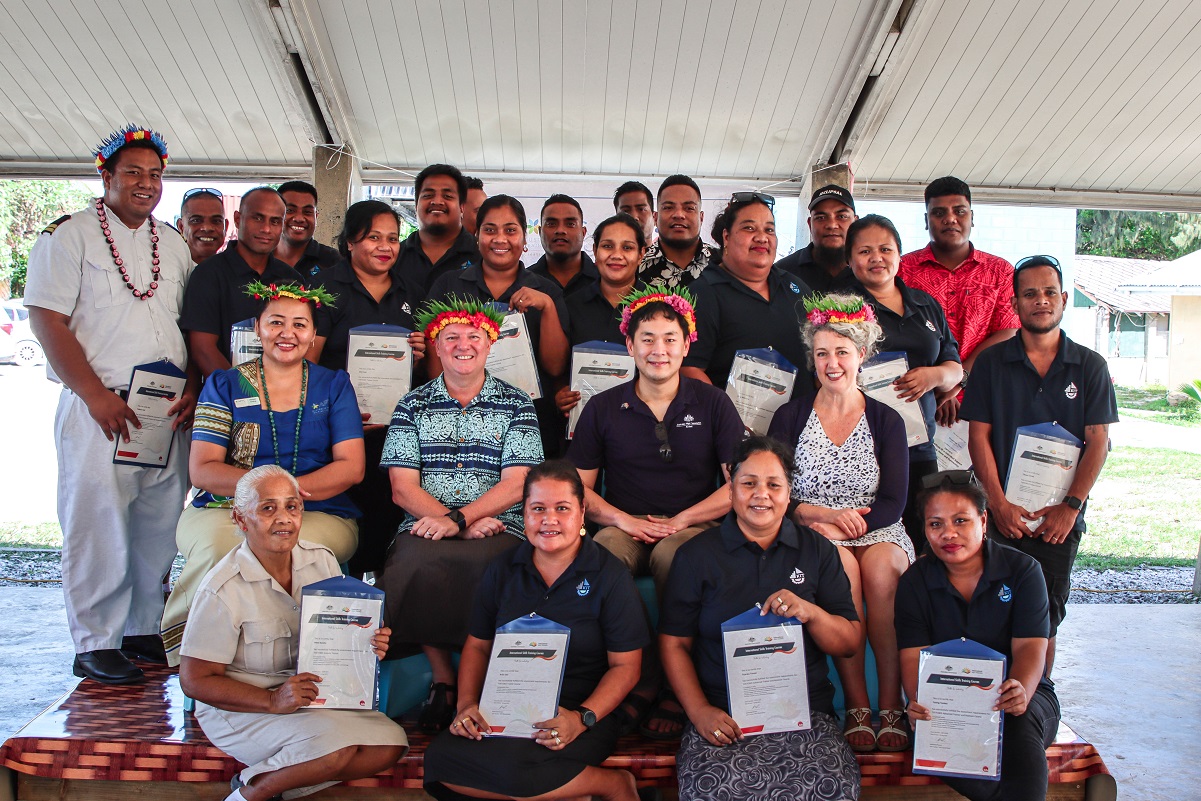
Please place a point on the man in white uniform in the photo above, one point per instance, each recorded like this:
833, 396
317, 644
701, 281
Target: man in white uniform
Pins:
104, 293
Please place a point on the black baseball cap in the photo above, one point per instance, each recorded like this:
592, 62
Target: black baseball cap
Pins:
833, 192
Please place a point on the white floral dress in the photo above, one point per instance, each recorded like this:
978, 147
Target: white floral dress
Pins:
843, 476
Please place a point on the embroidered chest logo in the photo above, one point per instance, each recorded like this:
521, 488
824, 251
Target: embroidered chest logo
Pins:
930, 325
404, 307
796, 290
1005, 594
583, 588
797, 577
1071, 391
688, 421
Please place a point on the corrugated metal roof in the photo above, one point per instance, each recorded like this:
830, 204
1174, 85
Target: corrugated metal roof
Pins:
1179, 277
1099, 277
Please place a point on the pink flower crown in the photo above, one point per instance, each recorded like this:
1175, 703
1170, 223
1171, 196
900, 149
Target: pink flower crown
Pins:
679, 300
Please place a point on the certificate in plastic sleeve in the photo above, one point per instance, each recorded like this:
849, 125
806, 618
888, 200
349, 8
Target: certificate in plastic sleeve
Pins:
153, 390
950, 444
338, 618
760, 382
525, 675
876, 378
959, 681
380, 362
595, 367
244, 344
512, 356
765, 672
1042, 467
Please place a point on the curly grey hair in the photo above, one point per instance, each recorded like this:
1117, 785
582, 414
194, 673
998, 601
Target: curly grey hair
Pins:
866, 336
246, 494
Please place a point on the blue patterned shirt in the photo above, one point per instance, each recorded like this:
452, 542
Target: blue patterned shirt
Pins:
459, 450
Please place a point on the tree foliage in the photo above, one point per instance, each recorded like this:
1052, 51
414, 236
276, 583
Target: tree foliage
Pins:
27, 207
1155, 235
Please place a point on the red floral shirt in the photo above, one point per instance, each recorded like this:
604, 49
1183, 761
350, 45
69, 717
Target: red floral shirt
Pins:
974, 296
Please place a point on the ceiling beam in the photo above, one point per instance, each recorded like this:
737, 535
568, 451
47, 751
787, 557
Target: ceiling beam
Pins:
1041, 196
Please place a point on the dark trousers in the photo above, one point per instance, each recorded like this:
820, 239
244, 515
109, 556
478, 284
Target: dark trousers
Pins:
380, 517
1024, 741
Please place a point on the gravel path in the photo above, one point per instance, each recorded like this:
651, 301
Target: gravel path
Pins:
1138, 585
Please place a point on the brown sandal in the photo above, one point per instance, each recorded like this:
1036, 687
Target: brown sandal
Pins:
893, 721
862, 718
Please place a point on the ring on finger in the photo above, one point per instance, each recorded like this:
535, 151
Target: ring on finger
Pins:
554, 733
718, 732
464, 722
558, 741
783, 607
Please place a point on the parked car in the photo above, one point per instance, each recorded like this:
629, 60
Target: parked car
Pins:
18, 344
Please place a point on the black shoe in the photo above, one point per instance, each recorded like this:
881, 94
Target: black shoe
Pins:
144, 646
438, 712
107, 666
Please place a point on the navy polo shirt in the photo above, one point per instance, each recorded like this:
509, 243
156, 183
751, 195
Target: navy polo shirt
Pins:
616, 434
587, 276
801, 264
730, 316
719, 573
316, 257
923, 335
1006, 391
356, 306
421, 272
595, 597
1010, 601
592, 317
215, 298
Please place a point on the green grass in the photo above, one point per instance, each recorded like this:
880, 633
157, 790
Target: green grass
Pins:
1151, 403
30, 535
1145, 509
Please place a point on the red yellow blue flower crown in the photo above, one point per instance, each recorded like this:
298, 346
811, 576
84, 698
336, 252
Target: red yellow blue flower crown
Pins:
120, 138
317, 295
828, 309
437, 314
679, 299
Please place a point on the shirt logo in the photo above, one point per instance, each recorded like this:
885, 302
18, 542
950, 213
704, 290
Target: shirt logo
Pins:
797, 577
796, 290
583, 588
1005, 594
404, 307
1071, 391
688, 418
930, 325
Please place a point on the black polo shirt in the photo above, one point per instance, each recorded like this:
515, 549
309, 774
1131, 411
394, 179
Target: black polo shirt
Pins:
616, 434
356, 306
587, 276
923, 335
1010, 601
592, 317
801, 264
215, 297
421, 272
719, 573
1006, 391
316, 257
595, 597
730, 316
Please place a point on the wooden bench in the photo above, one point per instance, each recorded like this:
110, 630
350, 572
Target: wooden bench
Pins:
110, 743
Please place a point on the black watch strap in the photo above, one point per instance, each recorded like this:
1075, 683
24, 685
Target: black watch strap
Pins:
1073, 502
587, 716
457, 517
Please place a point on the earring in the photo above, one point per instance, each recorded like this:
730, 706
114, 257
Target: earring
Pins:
583, 531
525, 248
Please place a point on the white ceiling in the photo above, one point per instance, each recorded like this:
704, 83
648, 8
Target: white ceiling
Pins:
1080, 102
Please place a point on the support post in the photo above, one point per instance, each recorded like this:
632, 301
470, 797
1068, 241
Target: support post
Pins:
339, 183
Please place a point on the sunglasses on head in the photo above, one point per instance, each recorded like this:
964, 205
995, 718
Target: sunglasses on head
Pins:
191, 193
762, 197
664, 446
1037, 261
949, 477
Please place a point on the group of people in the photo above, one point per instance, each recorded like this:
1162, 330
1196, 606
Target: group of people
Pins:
473, 508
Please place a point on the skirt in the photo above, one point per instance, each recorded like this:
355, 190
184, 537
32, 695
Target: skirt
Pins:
513, 766
429, 587
814, 765
265, 742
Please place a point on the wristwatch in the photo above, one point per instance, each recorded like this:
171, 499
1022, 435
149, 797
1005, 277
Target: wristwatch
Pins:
1073, 502
587, 716
457, 517
963, 381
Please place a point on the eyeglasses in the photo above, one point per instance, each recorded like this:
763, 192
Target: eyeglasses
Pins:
746, 197
664, 446
952, 477
201, 190
1037, 261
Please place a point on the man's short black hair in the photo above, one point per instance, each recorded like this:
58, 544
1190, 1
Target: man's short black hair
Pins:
303, 187
947, 185
633, 186
473, 182
560, 198
677, 180
442, 169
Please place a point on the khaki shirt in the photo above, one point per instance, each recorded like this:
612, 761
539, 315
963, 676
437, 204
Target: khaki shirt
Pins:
243, 619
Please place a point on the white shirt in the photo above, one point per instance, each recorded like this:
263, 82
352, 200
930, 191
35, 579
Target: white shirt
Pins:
72, 271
